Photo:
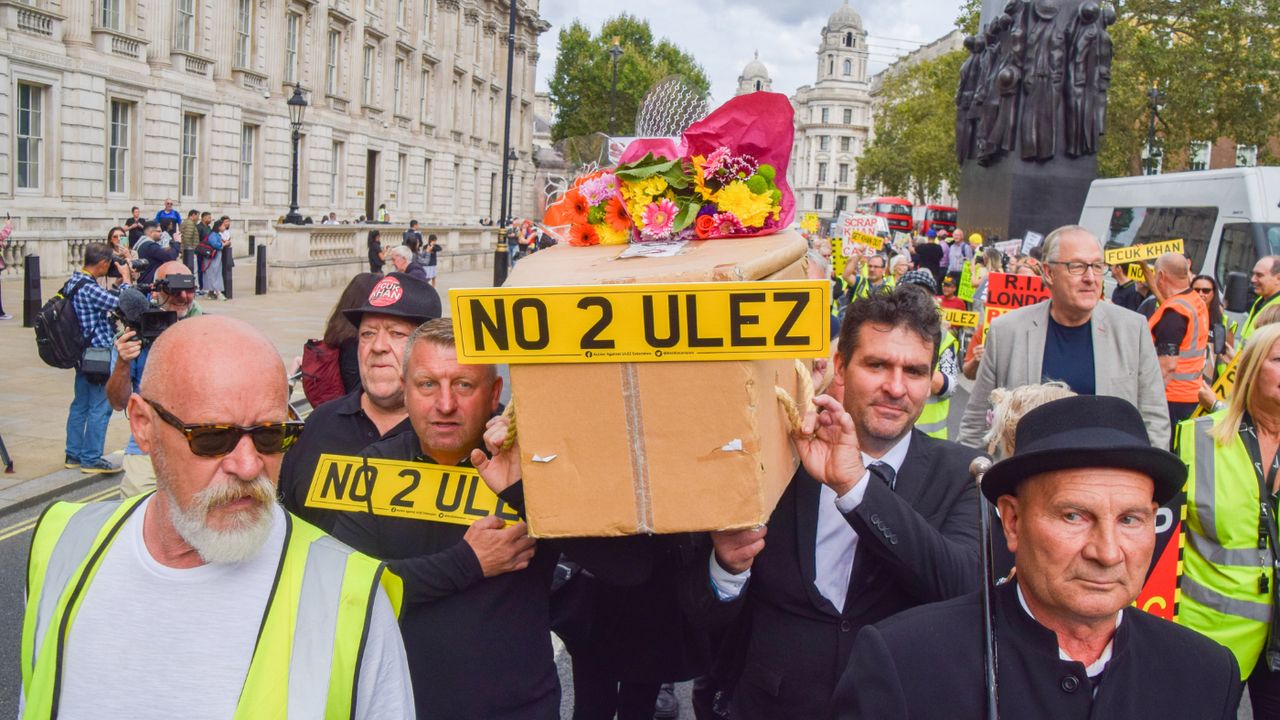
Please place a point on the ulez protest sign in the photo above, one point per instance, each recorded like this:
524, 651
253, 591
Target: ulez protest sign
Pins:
1007, 292
1149, 251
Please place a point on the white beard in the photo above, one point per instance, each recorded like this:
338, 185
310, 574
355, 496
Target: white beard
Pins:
248, 530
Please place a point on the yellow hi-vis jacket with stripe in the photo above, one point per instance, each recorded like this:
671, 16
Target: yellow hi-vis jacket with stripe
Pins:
933, 419
1258, 306
323, 588
1222, 563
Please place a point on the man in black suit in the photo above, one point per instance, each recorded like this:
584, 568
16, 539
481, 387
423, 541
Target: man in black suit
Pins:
475, 615
1078, 503
880, 518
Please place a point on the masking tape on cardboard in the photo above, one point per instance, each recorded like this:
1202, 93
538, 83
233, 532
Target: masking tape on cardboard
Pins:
635, 440
396, 488
1149, 251
673, 322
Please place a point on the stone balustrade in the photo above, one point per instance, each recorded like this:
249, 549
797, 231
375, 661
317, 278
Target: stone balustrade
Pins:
311, 257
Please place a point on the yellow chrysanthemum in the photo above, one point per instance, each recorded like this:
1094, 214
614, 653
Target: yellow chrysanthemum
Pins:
609, 236
700, 178
737, 198
635, 208
649, 187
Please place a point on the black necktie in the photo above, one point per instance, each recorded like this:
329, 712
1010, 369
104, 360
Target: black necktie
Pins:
884, 472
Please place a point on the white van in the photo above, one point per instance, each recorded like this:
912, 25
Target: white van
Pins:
1226, 219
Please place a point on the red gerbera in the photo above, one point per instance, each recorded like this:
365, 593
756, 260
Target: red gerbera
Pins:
615, 213
583, 234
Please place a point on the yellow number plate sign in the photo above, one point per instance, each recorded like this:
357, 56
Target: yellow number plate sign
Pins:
642, 323
417, 490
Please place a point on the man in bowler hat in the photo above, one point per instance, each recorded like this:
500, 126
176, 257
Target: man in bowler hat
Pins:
1078, 501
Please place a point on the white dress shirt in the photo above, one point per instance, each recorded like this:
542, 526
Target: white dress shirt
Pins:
836, 542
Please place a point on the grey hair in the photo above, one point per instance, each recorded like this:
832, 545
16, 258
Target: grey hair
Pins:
1049, 248
437, 332
403, 253
893, 261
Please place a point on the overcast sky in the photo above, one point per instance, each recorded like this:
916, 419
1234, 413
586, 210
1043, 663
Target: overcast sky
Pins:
722, 34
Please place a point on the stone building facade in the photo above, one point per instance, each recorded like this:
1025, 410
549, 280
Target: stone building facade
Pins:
754, 78
833, 119
107, 104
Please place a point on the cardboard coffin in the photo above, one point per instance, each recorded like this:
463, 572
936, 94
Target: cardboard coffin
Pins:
653, 447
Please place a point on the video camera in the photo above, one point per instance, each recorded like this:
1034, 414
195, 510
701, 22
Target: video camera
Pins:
138, 314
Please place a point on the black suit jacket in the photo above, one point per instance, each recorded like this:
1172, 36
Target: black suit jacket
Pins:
917, 544
927, 664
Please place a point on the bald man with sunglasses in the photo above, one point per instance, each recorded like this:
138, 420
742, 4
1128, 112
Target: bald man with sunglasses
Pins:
205, 599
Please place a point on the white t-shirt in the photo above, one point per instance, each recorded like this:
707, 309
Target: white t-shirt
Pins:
152, 641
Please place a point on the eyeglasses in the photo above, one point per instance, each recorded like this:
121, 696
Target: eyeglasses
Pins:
211, 440
1078, 268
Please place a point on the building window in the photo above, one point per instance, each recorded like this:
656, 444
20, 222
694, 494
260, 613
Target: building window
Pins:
475, 42
184, 26
30, 134
831, 65
824, 142
399, 77
822, 172
400, 5
842, 202
475, 116
844, 173
244, 20
366, 87
402, 202
848, 67
426, 181
1199, 155
848, 117
426, 18
118, 149
335, 182
844, 142
111, 14
291, 24
190, 144
1246, 155
454, 109
848, 39
247, 135
817, 201
331, 64
826, 115
757, 86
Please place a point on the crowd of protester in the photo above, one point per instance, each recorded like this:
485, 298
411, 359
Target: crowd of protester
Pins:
863, 596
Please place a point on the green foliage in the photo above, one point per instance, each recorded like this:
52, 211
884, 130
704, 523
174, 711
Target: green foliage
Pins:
1216, 66
913, 152
583, 75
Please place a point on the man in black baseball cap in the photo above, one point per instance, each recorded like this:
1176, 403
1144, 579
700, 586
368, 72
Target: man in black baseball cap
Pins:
396, 306
1078, 501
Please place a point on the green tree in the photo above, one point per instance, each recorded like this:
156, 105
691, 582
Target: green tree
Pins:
581, 84
1215, 65
913, 152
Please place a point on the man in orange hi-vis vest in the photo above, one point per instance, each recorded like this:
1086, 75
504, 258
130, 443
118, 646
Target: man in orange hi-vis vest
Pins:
1180, 330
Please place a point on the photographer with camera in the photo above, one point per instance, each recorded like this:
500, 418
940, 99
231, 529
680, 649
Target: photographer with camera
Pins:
172, 299
151, 249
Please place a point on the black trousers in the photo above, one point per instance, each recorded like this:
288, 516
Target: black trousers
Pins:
598, 695
1264, 691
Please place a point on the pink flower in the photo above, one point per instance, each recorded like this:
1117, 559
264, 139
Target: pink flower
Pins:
597, 190
610, 181
659, 217
716, 160
726, 224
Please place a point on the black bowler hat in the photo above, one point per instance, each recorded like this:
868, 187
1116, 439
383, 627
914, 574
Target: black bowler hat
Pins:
1085, 431
400, 295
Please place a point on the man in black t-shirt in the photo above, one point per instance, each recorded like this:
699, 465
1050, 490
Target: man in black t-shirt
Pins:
1126, 294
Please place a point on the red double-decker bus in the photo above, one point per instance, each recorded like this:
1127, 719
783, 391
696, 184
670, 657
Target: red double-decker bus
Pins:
935, 217
895, 210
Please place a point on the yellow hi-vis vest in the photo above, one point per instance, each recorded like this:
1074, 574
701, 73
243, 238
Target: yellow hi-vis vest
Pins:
1258, 306
323, 588
933, 419
1222, 563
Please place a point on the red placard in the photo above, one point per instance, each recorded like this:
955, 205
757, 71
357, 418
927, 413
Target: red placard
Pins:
1010, 292
1159, 594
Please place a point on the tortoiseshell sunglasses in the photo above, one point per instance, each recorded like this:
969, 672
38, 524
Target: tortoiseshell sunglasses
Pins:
212, 440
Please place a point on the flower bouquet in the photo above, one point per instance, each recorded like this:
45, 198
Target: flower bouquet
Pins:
724, 178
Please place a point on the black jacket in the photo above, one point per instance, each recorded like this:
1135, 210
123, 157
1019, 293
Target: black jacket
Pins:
477, 647
927, 664
917, 544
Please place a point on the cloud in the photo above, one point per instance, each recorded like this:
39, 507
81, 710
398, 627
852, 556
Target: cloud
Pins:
723, 34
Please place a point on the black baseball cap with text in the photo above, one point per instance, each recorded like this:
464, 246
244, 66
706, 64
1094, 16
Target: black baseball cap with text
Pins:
399, 295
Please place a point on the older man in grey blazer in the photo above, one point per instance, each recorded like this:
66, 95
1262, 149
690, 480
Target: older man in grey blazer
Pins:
1095, 347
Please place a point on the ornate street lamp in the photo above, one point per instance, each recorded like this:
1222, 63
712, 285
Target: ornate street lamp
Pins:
297, 108
615, 52
512, 159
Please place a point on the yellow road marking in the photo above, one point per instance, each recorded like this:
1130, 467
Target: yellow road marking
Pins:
18, 528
